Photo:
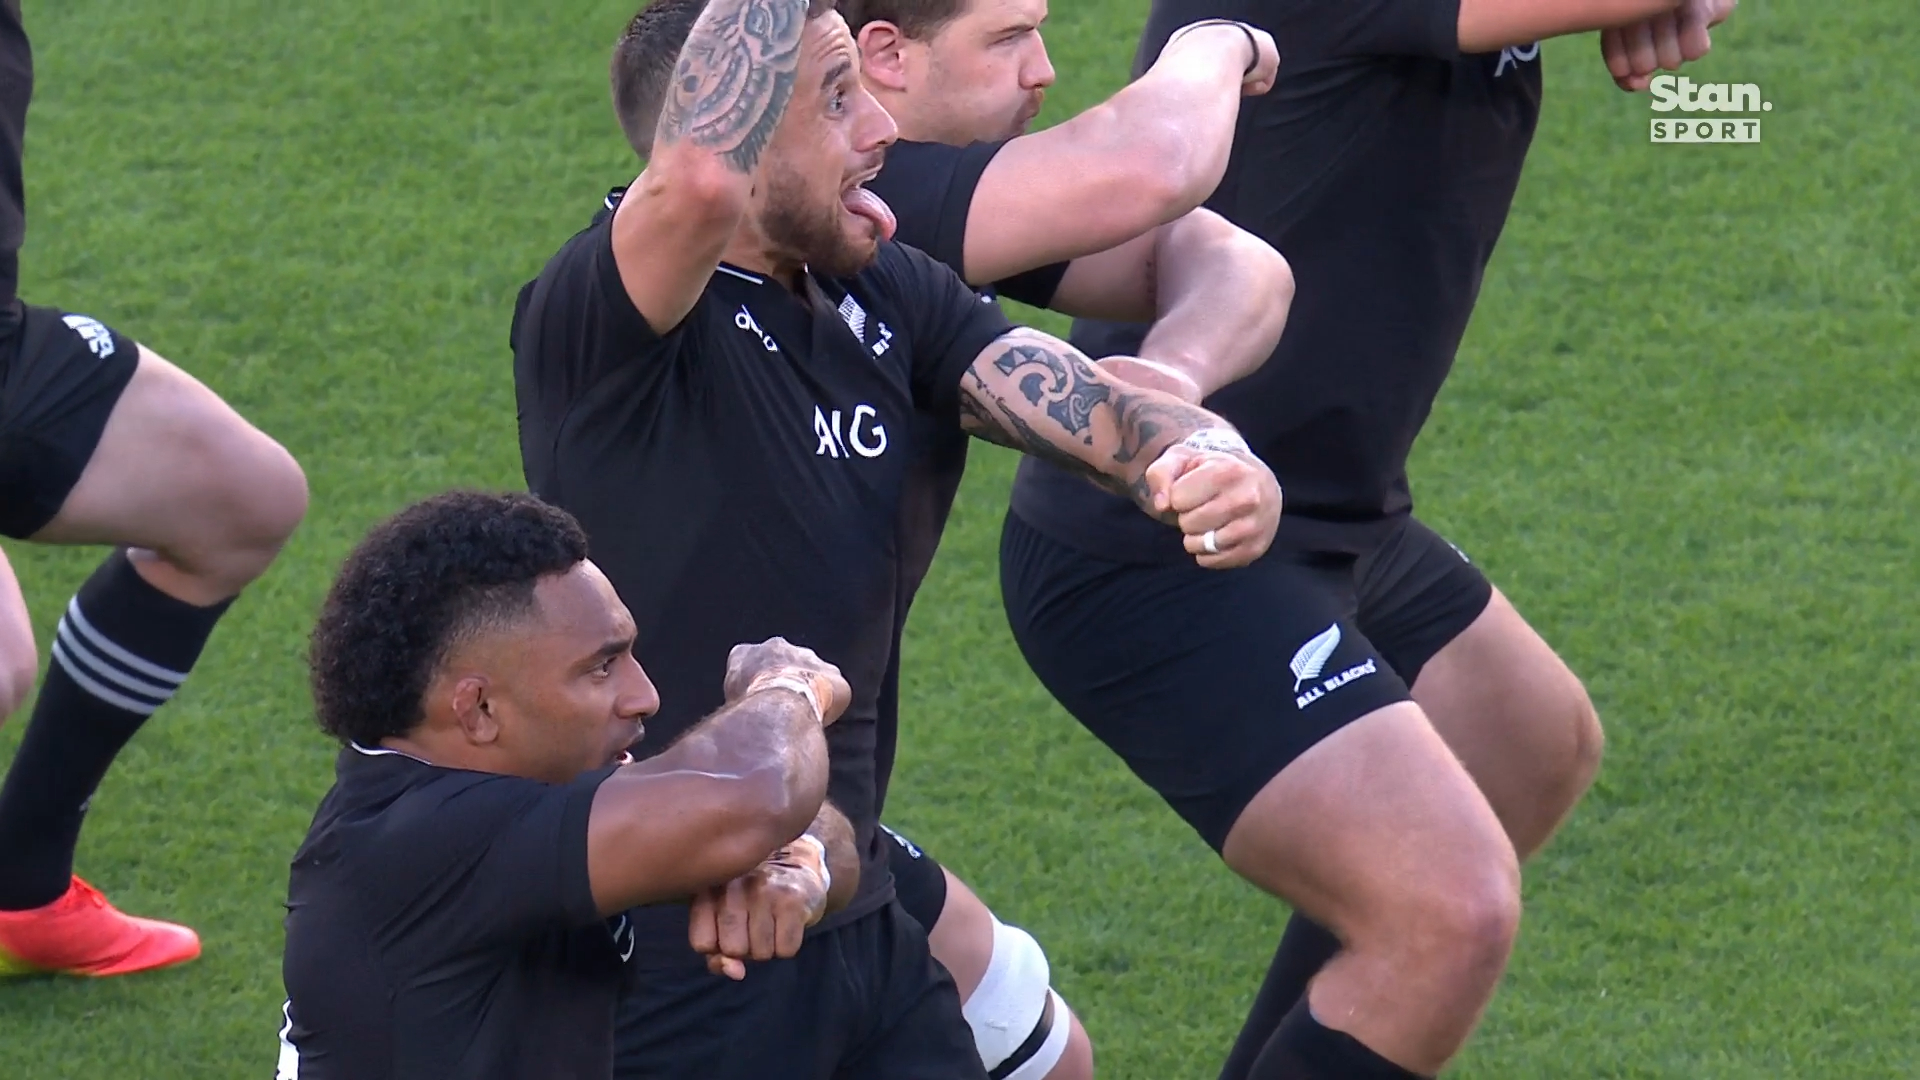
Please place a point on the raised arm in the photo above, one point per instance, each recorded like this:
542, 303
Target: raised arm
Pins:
1491, 25
1144, 157
729, 89
744, 783
1217, 296
1175, 460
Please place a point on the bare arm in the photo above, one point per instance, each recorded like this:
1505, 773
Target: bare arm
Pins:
835, 834
1491, 25
1217, 295
1039, 395
711, 807
732, 84
1147, 155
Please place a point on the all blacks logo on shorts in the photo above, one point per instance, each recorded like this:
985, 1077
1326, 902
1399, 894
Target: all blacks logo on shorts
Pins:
1308, 664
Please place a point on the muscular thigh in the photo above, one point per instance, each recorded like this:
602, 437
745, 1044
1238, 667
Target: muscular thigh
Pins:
1505, 703
1207, 683
1519, 719
175, 469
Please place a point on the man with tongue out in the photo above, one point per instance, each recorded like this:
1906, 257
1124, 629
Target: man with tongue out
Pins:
733, 379
1096, 215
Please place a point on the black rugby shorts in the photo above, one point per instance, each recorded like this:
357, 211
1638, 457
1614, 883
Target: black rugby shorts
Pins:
60, 377
919, 883
861, 1001
1208, 683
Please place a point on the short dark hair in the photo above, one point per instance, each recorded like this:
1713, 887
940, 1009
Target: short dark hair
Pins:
419, 583
643, 63
917, 19
645, 57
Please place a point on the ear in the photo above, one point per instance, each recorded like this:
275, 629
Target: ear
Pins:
475, 710
883, 59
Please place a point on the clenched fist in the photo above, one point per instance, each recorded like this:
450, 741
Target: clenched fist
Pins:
1225, 499
762, 914
754, 667
1261, 69
1664, 42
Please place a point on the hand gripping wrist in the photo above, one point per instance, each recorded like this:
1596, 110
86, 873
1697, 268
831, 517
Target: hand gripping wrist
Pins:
820, 857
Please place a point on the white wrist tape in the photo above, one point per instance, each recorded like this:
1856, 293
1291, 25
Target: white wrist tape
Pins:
796, 683
820, 849
1222, 440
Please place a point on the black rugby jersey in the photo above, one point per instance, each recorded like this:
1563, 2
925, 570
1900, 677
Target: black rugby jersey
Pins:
16, 91
1382, 165
441, 923
760, 469
930, 188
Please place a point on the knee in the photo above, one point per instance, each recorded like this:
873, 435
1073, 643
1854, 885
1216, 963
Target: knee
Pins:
18, 670
1464, 923
1586, 743
263, 498
1021, 1027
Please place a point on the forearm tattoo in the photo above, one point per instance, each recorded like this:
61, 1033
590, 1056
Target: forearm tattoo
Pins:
1043, 398
734, 78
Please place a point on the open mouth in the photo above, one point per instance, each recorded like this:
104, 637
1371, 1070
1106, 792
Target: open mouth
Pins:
862, 203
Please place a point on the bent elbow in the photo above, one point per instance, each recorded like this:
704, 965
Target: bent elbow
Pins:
1279, 289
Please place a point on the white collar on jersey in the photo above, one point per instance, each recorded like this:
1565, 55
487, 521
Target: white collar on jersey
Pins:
381, 751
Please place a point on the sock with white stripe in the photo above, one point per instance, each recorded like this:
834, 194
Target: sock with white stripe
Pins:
121, 651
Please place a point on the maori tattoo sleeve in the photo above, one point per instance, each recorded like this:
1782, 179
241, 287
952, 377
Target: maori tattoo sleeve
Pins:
734, 78
1042, 397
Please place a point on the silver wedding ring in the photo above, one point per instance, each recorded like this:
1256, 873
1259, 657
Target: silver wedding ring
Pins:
1210, 542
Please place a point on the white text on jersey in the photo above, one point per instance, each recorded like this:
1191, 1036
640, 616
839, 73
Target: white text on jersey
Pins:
864, 434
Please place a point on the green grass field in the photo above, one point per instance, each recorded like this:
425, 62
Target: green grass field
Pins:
1681, 436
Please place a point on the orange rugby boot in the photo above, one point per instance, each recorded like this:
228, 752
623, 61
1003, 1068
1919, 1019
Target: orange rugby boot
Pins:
82, 934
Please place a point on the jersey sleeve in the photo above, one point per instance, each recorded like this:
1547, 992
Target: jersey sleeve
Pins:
948, 324
930, 187
472, 860
575, 324
1324, 29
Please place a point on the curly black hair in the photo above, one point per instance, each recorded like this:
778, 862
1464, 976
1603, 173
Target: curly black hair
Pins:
421, 581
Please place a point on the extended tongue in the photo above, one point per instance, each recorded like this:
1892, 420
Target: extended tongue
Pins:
866, 204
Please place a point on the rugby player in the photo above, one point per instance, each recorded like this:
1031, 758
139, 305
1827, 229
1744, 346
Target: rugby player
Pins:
459, 906
728, 377
1092, 216
102, 441
1358, 723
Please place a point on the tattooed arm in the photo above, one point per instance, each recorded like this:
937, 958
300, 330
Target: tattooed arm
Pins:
730, 87
1041, 396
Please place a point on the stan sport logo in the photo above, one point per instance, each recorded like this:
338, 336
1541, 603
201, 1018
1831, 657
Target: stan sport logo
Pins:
1673, 93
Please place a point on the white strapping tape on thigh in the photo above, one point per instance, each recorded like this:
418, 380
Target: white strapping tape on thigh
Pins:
1010, 1001
1053, 1049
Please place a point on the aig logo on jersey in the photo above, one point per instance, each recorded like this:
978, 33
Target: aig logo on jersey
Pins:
1514, 55
863, 434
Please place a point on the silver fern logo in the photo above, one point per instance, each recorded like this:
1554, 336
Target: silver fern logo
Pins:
1313, 656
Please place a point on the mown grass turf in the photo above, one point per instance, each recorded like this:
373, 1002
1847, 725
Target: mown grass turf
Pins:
1680, 436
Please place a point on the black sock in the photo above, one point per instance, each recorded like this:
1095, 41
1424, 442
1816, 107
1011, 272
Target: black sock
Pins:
1305, 948
122, 649
1303, 1050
